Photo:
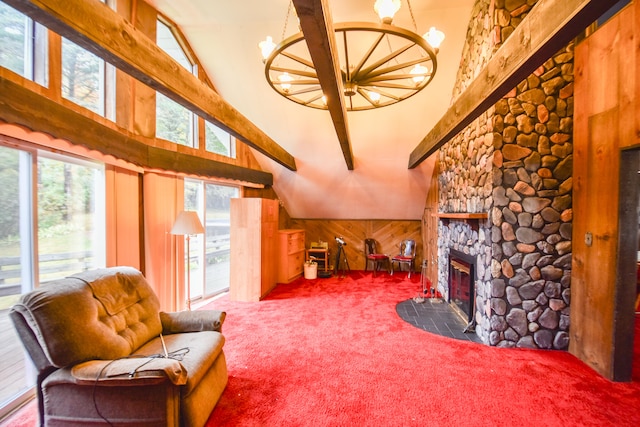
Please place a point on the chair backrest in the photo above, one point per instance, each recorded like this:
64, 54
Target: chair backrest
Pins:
98, 314
408, 248
370, 247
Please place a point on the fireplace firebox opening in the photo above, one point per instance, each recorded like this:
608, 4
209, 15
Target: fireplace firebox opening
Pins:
462, 277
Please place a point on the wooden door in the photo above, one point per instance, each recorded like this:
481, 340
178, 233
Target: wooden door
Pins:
604, 197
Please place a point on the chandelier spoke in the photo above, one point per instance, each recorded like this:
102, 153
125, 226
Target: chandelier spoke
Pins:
347, 66
385, 71
315, 98
368, 54
304, 82
386, 59
303, 91
388, 95
397, 86
305, 62
302, 73
370, 100
382, 79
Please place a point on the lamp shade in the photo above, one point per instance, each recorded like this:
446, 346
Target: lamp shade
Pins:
386, 9
266, 47
187, 222
434, 37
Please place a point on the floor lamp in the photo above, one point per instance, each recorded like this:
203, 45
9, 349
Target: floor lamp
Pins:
187, 224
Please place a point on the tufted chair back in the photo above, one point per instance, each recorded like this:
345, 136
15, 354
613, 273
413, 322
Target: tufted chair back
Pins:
87, 316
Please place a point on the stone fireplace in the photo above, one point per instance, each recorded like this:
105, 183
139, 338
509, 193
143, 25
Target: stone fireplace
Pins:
514, 164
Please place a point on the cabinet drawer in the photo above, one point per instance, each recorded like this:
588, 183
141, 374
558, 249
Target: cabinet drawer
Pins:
291, 251
295, 264
295, 242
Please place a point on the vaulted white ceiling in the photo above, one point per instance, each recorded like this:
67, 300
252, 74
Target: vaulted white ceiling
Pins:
225, 36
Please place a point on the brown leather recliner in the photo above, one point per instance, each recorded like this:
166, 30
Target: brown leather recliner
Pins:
95, 339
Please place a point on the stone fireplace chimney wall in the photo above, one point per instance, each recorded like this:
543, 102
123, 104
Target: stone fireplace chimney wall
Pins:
515, 163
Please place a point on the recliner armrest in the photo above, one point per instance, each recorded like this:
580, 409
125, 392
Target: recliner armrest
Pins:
134, 371
192, 321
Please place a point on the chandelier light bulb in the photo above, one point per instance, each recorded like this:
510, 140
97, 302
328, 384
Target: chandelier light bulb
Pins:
266, 47
386, 9
419, 73
434, 37
285, 81
324, 100
375, 97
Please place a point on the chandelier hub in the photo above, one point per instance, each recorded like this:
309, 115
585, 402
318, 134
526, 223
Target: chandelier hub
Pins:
350, 89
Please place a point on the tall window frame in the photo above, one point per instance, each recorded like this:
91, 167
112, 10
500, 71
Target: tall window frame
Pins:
105, 81
92, 88
209, 261
219, 141
183, 131
31, 246
20, 33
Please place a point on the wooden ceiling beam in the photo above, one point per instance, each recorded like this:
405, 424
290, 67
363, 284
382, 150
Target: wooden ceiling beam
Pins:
549, 26
97, 28
28, 108
317, 27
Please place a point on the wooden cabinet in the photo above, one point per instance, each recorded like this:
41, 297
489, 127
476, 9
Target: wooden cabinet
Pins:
254, 248
291, 255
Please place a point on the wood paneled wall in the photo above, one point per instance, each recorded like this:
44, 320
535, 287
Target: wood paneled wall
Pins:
388, 234
607, 125
430, 225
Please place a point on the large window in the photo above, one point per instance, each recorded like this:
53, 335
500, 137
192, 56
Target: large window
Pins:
174, 122
209, 259
219, 141
71, 206
83, 79
168, 42
23, 45
68, 196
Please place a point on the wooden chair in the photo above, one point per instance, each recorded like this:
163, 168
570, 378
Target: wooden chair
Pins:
407, 256
372, 255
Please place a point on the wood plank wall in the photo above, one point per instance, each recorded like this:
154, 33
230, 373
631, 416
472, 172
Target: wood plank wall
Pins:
387, 233
430, 225
607, 86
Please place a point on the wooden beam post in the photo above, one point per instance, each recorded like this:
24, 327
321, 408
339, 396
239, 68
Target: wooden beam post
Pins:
28, 108
549, 26
317, 27
94, 26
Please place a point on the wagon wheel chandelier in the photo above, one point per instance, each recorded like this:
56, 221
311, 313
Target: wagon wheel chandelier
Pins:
380, 64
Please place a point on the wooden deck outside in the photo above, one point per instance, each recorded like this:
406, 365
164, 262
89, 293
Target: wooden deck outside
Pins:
16, 365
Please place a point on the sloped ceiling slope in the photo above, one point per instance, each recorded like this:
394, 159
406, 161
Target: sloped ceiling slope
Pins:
225, 36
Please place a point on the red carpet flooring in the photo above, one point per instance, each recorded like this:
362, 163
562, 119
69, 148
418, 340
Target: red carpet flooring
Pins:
333, 352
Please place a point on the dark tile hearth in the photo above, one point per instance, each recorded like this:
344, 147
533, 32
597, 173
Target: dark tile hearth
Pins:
437, 317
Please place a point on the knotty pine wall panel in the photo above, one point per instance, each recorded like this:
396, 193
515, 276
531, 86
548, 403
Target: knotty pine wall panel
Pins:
387, 233
606, 112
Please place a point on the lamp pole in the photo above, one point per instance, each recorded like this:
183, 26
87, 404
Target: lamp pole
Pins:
188, 300
186, 224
